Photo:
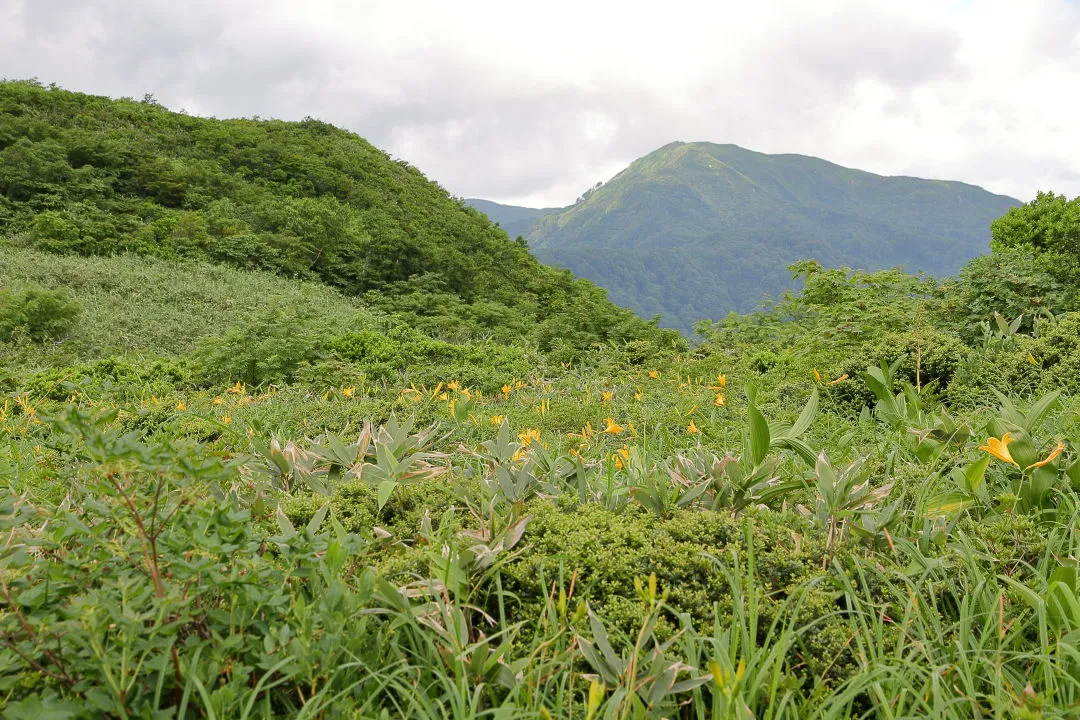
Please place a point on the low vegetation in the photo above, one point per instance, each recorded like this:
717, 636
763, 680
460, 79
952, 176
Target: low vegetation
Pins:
229, 493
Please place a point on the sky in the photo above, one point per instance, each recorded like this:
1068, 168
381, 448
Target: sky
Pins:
532, 103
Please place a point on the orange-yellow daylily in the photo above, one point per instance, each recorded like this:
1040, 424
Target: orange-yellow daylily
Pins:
226, 419
348, 392
1049, 458
719, 401
654, 374
529, 436
721, 383
639, 395
506, 391
216, 401
1000, 448
497, 419
692, 428
586, 432
453, 385
612, 427
817, 376
180, 406
840, 379
606, 396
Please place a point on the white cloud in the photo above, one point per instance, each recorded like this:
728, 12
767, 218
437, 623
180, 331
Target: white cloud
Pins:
536, 102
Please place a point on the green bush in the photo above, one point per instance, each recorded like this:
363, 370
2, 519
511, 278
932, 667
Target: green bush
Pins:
925, 356
39, 313
1012, 282
604, 552
269, 347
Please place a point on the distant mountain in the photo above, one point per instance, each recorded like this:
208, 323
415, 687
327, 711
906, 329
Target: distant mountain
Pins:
695, 230
514, 219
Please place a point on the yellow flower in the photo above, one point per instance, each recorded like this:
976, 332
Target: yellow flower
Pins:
497, 419
606, 396
692, 428
639, 395
506, 391
226, 419
719, 401
618, 462
625, 452
612, 428
840, 379
586, 432
691, 411
444, 397
817, 376
519, 384
180, 406
453, 385
1000, 448
530, 436
654, 374
1049, 458
721, 380
348, 392
216, 401
236, 389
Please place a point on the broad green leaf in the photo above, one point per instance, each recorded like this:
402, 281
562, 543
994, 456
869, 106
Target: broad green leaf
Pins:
948, 504
384, 490
975, 474
759, 435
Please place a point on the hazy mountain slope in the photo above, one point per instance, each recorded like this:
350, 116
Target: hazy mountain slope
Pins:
694, 230
514, 219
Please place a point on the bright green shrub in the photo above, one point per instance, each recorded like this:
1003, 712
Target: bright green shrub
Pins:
269, 347
690, 553
39, 313
1011, 281
122, 378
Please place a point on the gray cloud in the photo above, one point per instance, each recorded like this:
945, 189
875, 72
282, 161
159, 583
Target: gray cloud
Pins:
517, 110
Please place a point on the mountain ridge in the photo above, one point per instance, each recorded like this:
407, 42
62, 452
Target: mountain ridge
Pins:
695, 230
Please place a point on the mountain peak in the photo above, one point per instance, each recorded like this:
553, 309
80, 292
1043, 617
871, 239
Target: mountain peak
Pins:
694, 230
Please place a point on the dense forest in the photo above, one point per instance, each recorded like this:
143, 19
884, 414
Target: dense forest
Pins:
287, 431
93, 176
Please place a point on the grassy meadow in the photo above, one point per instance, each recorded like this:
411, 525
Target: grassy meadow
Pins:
298, 489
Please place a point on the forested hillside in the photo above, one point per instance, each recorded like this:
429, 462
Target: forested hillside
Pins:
94, 176
695, 230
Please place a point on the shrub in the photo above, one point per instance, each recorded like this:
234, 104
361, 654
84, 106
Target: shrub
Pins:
269, 347
39, 313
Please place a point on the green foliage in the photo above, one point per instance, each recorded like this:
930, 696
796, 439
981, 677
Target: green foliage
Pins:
696, 230
38, 313
1013, 281
1048, 224
443, 502
91, 176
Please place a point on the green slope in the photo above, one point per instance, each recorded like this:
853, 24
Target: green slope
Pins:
695, 230
89, 175
514, 219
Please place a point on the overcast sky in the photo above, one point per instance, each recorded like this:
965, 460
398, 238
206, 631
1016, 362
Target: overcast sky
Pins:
532, 103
